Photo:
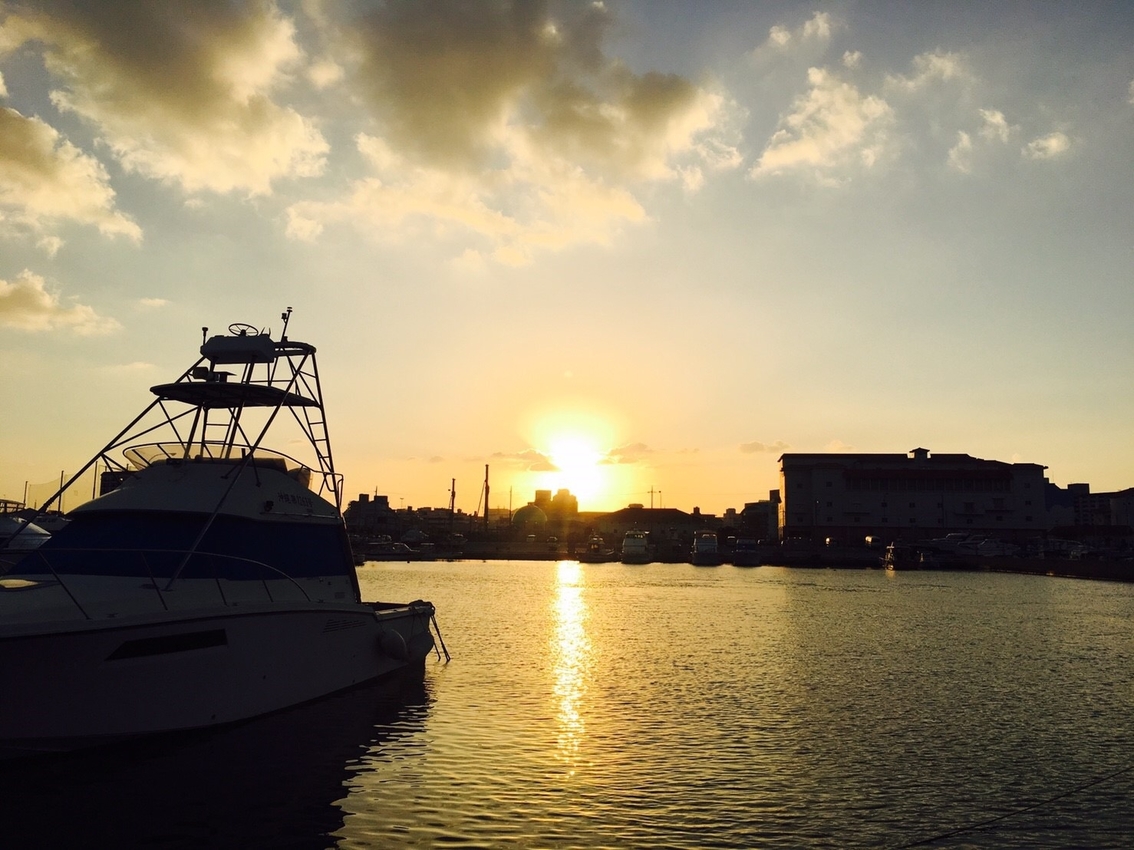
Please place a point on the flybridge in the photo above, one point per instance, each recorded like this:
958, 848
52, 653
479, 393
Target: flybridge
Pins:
230, 412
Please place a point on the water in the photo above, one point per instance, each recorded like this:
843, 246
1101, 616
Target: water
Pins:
664, 706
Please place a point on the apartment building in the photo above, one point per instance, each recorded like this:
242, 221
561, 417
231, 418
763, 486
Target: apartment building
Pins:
913, 496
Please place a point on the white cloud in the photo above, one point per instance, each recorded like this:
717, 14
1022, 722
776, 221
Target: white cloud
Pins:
995, 125
138, 367
833, 126
816, 30
26, 304
630, 453
512, 129
960, 155
1130, 99
852, 59
1047, 147
152, 303
3, 88
529, 460
929, 68
550, 206
44, 180
179, 91
778, 447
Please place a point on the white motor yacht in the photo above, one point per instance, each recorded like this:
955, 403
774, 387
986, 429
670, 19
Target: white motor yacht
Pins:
211, 581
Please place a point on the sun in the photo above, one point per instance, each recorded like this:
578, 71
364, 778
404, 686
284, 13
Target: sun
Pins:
579, 463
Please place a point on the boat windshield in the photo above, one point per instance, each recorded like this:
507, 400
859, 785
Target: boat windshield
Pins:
146, 455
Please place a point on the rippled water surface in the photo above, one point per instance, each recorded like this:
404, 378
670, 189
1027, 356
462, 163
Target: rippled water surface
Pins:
667, 706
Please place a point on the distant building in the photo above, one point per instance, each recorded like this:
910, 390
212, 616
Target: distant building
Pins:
761, 519
847, 497
370, 516
558, 508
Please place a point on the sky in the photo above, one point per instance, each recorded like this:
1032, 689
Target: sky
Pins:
635, 249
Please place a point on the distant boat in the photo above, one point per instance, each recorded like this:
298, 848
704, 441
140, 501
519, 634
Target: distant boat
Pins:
636, 548
900, 556
746, 552
706, 549
597, 552
211, 582
18, 536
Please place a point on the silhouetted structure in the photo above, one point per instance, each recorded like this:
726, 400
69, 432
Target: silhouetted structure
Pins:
846, 497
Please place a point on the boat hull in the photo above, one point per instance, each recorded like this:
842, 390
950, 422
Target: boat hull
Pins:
100, 681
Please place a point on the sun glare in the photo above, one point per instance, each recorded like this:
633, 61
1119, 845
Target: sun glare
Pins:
576, 438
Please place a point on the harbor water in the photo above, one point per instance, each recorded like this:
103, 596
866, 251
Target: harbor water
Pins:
664, 705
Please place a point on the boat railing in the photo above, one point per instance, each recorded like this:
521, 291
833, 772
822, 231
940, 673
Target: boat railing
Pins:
232, 577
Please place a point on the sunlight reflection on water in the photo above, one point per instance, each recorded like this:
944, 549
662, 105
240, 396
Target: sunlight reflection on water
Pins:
571, 650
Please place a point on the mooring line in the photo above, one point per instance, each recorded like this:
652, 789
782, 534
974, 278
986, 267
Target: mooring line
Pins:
982, 824
441, 640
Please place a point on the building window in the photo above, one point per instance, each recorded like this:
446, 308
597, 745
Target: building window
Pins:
1028, 502
884, 505
828, 504
912, 505
1027, 519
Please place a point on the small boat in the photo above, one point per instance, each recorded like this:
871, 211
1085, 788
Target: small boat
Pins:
900, 556
597, 552
211, 581
745, 552
636, 547
706, 549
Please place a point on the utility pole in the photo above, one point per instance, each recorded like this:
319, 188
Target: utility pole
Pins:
452, 502
486, 497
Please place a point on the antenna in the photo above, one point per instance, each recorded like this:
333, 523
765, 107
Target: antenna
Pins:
204, 333
286, 318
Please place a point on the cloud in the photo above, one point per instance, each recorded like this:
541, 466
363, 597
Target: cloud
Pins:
152, 303
529, 460
135, 368
778, 447
1047, 147
929, 68
816, 30
852, 59
509, 124
996, 126
1130, 99
833, 126
630, 453
26, 304
44, 180
838, 446
960, 155
181, 90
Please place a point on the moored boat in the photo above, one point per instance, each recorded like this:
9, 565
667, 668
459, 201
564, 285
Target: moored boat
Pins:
636, 547
706, 550
211, 581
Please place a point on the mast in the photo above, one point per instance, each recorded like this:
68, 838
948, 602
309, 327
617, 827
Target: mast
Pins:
486, 497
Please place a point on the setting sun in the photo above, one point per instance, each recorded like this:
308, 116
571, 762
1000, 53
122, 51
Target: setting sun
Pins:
576, 438
579, 463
